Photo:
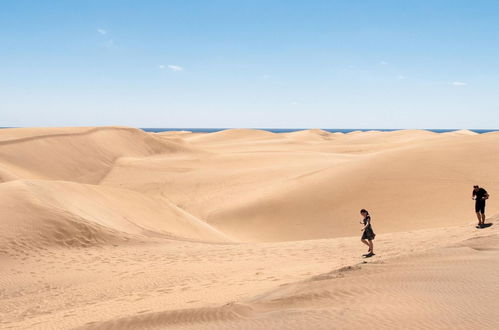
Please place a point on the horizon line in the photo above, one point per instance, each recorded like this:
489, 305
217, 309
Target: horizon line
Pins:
266, 128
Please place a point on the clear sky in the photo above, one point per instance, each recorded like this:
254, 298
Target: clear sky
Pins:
275, 64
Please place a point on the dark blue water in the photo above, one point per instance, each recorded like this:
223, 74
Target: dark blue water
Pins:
287, 130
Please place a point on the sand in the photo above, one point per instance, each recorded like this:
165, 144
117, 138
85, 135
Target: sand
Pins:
116, 228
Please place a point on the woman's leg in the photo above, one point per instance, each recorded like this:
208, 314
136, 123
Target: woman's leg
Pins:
365, 242
371, 246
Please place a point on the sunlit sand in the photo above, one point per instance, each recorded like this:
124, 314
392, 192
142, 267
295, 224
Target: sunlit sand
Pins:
116, 228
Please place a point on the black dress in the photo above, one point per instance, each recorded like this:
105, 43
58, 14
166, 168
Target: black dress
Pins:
368, 233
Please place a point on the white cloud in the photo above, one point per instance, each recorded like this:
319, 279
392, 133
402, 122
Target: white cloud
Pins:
383, 63
266, 76
459, 83
102, 31
161, 66
401, 77
175, 67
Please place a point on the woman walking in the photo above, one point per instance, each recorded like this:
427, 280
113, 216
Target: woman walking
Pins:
367, 233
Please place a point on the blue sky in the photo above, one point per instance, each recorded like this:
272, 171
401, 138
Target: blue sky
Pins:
328, 64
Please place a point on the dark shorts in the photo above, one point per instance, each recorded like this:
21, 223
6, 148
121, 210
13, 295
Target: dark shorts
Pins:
480, 206
368, 234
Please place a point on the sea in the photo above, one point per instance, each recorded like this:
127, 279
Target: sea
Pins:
288, 130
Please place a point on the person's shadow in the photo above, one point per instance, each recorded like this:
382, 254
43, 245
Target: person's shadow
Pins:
486, 225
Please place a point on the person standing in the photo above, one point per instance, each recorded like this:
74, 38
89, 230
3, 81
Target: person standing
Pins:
367, 233
480, 195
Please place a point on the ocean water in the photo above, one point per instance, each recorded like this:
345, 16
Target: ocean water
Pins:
287, 130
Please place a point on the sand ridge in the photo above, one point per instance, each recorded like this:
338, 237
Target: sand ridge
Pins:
81, 154
283, 189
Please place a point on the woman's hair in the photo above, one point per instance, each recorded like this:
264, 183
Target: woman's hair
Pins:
364, 211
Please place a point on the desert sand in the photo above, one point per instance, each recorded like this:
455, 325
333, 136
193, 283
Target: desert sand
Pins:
117, 228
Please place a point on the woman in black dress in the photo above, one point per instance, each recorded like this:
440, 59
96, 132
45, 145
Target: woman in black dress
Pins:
367, 233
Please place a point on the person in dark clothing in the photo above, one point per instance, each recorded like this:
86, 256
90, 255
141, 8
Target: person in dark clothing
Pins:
367, 233
480, 195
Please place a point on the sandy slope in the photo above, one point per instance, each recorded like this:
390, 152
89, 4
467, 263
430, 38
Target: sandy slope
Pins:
73, 154
417, 279
114, 227
437, 290
50, 213
282, 188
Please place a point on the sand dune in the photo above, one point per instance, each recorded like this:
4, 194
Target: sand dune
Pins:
113, 227
309, 135
435, 288
175, 133
393, 184
461, 132
46, 213
275, 191
491, 133
256, 185
234, 135
81, 154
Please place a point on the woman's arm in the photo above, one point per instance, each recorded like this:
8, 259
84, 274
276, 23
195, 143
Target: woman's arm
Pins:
368, 222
